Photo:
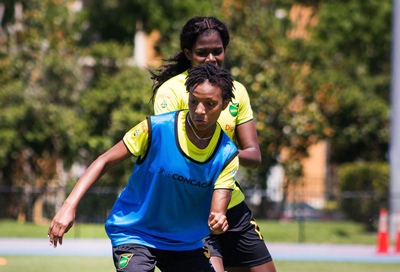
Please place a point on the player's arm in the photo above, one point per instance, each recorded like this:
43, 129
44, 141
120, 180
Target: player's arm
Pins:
217, 221
65, 217
246, 133
249, 150
134, 143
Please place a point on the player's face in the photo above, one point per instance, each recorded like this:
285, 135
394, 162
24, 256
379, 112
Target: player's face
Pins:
208, 48
205, 106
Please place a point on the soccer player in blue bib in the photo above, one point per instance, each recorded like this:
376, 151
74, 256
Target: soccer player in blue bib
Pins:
180, 186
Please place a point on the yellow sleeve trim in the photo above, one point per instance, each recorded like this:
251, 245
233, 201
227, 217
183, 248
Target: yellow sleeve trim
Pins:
245, 112
226, 179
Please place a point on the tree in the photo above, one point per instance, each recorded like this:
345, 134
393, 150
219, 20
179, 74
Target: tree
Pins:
118, 20
117, 100
41, 129
349, 53
315, 70
288, 116
68, 92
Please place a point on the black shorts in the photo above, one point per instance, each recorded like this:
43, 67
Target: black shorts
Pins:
242, 244
138, 258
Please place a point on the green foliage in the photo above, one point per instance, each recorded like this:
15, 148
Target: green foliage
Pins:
331, 82
12, 113
287, 114
117, 101
39, 64
117, 20
361, 127
119, 96
356, 38
108, 57
61, 100
112, 108
364, 187
349, 52
68, 92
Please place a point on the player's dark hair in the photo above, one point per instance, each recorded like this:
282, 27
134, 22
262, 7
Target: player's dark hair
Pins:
217, 76
188, 37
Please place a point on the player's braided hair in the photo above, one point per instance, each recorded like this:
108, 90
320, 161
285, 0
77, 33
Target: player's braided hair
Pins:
188, 37
217, 76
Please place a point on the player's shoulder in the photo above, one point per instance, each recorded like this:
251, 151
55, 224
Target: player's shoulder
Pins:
176, 80
239, 87
240, 91
174, 86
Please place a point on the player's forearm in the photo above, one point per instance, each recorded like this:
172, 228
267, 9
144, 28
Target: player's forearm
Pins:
95, 171
220, 200
250, 157
217, 221
249, 149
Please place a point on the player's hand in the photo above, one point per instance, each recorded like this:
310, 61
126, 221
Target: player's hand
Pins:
61, 224
217, 223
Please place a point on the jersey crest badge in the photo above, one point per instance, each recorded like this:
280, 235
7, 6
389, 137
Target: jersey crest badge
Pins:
164, 104
233, 109
124, 260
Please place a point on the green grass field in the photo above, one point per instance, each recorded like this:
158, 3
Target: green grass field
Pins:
98, 264
332, 232
11, 228
273, 231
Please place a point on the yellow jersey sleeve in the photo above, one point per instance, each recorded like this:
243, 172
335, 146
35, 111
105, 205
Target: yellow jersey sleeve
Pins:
136, 139
238, 111
227, 180
245, 112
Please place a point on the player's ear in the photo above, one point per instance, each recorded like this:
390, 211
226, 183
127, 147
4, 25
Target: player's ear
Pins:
187, 54
225, 104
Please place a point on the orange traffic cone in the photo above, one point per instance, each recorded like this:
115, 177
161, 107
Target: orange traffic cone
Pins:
397, 250
383, 237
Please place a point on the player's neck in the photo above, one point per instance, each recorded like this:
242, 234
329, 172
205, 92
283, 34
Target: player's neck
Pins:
198, 141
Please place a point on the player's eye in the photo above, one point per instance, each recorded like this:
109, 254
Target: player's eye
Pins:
202, 54
218, 51
211, 105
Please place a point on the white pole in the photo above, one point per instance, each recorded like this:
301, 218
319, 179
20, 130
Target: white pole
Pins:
394, 147
140, 46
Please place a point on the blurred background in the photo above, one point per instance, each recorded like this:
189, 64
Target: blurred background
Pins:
74, 78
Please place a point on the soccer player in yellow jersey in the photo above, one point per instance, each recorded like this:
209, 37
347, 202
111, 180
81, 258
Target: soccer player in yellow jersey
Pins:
204, 39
